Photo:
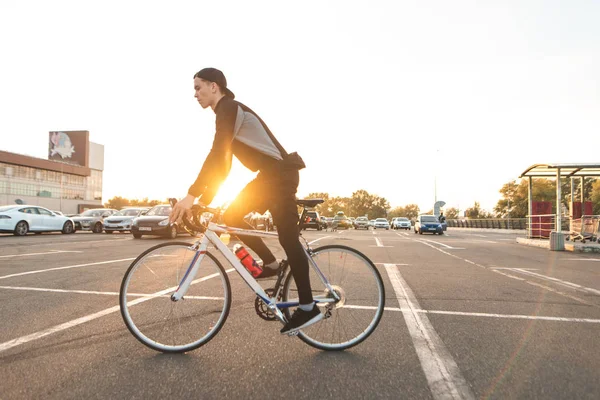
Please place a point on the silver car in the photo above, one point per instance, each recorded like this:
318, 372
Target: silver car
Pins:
381, 223
92, 220
122, 220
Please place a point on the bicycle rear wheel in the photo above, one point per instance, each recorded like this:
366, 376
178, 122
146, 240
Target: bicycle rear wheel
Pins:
174, 326
358, 282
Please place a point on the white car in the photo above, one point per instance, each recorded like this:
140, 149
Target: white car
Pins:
381, 223
401, 223
20, 219
122, 220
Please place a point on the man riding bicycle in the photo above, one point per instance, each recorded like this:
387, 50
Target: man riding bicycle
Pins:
241, 132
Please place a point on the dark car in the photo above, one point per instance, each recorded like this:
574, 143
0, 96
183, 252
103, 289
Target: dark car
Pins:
312, 220
428, 223
156, 222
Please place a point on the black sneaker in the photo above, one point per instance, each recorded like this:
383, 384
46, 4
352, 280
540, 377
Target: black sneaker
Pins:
269, 272
301, 319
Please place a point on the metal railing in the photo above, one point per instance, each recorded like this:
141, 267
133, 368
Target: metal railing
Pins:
490, 223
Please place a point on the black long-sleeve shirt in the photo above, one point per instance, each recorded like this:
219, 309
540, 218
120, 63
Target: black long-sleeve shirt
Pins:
239, 132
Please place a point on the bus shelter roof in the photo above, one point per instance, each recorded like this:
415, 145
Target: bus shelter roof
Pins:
567, 170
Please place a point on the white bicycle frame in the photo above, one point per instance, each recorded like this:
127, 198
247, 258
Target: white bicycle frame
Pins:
210, 236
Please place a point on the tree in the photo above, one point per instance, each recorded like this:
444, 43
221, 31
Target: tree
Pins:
476, 212
451, 213
117, 203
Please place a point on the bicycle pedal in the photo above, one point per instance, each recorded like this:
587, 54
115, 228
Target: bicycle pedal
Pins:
294, 333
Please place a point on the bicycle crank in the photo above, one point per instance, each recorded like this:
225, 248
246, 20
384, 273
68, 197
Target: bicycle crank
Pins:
262, 309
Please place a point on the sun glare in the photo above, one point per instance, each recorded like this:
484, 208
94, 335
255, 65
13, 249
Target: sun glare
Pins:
233, 185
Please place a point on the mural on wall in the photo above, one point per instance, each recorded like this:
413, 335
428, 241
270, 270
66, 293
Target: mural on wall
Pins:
60, 143
69, 147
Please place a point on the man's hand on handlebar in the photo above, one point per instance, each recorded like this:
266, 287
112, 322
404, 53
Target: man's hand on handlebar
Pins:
182, 209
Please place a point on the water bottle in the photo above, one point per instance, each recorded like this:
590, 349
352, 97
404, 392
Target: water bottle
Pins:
247, 261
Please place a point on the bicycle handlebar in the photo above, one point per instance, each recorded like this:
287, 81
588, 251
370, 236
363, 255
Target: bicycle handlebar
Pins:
194, 226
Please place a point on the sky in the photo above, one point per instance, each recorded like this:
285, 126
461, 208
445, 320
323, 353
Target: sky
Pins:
413, 101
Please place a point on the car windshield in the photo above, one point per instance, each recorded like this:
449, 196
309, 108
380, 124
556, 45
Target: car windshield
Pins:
429, 219
128, 212
402, 219
361, 219
93, 213
162, 211
381, 220
339, 218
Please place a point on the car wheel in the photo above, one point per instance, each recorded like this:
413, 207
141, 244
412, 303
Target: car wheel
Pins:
137, 236
415, 231
420, 232
109, 232
68, 228
38, 233
21, 228
173, 232
97, 228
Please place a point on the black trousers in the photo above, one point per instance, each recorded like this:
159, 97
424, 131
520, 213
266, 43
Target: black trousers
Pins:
275, 192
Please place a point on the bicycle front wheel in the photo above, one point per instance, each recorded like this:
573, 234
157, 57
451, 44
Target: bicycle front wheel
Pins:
174, 326
357, 283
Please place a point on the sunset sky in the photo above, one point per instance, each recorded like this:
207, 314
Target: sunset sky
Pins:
386, 96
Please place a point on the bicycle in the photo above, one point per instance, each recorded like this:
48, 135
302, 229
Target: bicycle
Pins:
175, 297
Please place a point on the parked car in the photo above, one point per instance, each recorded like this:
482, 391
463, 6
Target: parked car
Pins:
428, 223
372, 223
361, 223
262, 222
340, 221
401, 223
312, 220
122, 220
381, 223
92, 220
156, 222
20, 219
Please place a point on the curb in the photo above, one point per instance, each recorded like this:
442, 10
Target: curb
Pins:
569, 246
523, 231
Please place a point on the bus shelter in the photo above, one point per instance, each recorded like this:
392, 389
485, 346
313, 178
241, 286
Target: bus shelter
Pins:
558, 171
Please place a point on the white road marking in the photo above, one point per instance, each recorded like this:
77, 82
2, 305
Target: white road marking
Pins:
40, 334
40, 254
577, 299
485, 315
378, 241
441, 244
35, 289
559, 281
443, 375
388, 264
321, 238
583, 259
67, 267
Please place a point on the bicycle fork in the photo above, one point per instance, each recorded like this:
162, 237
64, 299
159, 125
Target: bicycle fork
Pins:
191, 272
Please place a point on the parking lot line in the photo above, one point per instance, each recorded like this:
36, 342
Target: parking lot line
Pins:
67, 267
40, 254
558, 281
35, 289
443, 375
40, 334
485, 315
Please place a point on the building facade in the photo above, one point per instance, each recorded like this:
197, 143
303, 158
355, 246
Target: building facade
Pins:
70, 180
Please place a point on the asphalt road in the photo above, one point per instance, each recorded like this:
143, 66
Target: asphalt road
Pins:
469, 315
